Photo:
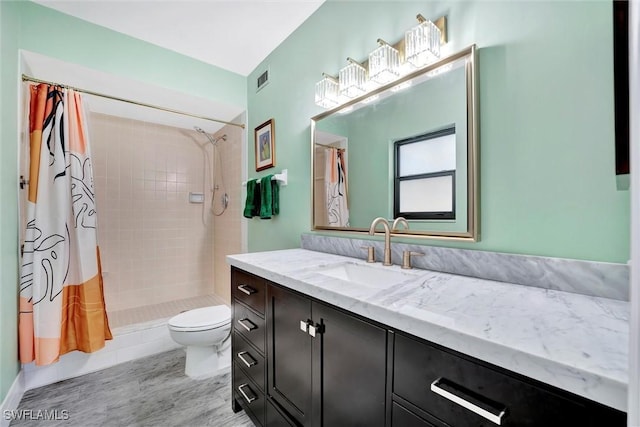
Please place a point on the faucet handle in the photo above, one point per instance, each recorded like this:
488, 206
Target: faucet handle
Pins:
406, 258
371, 253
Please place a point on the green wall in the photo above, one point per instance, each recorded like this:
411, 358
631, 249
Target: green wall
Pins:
29, 26
547, 184
8, 194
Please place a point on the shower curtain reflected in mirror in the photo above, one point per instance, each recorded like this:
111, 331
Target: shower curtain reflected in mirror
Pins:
61, 291
335, 181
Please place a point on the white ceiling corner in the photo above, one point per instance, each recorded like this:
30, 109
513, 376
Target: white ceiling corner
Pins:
235, 35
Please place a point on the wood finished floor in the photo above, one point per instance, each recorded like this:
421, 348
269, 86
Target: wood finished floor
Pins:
153, 391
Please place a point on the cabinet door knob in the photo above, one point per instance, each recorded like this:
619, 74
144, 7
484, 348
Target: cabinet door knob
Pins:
304, 326
316, 329
455, 394
250, 327
246, 289
241, 356
249, 399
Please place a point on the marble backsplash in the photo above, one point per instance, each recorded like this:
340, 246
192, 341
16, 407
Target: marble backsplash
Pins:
601, 279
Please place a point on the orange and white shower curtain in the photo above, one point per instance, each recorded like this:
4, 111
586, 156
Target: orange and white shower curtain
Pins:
61, 297
335, 181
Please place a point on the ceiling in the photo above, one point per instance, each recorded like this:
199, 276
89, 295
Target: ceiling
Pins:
235, 35
232, 34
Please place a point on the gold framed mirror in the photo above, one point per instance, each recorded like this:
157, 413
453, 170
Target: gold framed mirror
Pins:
407, 148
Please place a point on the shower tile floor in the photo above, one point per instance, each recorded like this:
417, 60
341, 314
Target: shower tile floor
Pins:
153, 391
150, 313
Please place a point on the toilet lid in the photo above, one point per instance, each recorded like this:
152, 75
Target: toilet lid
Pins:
202, 318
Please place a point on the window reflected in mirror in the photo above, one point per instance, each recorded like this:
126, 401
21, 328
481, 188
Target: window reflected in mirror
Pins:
425, 176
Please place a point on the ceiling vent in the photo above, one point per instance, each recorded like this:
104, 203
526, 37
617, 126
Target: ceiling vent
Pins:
263, 80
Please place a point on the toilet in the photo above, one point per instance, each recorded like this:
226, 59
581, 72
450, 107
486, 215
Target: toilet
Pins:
205, 334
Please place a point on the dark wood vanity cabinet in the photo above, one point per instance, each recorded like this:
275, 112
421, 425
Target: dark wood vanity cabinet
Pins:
300, 362
248, 344
325, 367
446, 388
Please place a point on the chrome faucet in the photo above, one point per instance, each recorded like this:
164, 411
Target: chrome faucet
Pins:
387, 238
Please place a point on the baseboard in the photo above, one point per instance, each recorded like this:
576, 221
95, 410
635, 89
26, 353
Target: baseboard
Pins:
12, 399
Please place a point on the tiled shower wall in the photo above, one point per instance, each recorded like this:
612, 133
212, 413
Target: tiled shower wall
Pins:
154, 244
228, 226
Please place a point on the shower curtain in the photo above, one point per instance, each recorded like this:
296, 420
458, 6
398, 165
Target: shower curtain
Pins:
335, 181
61, 291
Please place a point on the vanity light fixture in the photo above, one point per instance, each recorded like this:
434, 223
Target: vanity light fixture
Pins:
384, 63
353, 79
422, 43
327, 92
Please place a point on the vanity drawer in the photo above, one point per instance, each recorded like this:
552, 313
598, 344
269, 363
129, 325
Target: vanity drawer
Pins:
462, 392
249, 325
251, 362
248, 395
402, 417
248, 289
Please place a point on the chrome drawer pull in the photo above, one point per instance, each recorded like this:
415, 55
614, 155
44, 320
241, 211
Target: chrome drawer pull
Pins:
249, 364
247, 398
494, 418
246, 289
243, 323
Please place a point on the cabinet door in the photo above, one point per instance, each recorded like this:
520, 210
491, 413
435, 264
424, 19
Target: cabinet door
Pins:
351, 385
275, 418
289, 352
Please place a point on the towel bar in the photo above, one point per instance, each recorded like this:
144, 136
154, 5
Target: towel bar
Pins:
282, 177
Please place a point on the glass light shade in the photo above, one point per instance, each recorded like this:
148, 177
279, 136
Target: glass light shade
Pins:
422, 44
384, 64
353, 79
327, 92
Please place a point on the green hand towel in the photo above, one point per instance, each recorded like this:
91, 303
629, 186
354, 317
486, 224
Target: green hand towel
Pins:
252, 204
266, 201
275, 197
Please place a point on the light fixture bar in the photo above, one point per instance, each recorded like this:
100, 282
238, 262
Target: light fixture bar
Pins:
389, 62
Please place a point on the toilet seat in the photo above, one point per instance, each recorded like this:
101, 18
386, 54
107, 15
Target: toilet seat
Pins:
201, 319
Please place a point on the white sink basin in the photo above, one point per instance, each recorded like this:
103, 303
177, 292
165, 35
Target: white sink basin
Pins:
365, 275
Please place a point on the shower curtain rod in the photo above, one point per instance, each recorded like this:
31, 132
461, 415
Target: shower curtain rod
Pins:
330, 146
142, 104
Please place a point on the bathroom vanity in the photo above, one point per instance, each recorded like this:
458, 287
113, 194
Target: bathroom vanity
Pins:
328, 340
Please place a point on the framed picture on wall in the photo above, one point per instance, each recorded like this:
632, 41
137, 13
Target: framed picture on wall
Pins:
265, 145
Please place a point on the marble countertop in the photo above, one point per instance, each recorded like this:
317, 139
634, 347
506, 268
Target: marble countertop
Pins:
574, 342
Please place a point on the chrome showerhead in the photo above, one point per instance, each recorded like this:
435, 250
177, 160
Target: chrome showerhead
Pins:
200, 130
211, 140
